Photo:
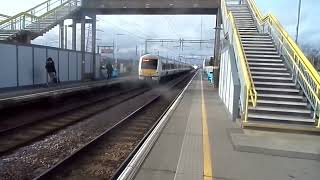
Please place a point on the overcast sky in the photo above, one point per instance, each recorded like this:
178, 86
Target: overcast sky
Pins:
138, 28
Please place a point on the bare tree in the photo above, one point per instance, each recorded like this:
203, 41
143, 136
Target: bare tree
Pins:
313, 54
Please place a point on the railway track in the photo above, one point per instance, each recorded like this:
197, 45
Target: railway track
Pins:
106, 155
20, 134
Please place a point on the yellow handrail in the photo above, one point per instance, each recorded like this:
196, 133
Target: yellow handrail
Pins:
28, 12
296, 55
250, 88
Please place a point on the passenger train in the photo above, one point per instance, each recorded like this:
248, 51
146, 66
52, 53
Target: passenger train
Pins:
152, 67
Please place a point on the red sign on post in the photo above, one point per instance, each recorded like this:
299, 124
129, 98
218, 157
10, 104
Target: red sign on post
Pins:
107, 51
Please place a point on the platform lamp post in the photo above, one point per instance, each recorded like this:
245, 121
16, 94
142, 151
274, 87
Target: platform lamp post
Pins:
298, 21
116, 52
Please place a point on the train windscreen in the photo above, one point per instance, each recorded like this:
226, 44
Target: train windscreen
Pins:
149, 64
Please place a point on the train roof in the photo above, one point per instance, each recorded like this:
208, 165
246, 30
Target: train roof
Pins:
150, 56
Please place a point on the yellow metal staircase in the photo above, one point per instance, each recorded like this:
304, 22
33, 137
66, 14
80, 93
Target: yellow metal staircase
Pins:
279, 84
37, 20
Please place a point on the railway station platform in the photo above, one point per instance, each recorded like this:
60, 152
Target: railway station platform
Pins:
199, 141
16, 95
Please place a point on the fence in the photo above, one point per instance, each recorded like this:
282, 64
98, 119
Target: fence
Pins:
24, 65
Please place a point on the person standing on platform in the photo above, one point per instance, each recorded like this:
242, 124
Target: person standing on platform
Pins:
109, 70
51, 69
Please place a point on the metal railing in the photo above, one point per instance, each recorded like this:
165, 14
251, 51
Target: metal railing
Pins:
248, 92
303, 71
36, 15
3, 17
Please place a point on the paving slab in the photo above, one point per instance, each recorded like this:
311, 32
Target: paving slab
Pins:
278, 144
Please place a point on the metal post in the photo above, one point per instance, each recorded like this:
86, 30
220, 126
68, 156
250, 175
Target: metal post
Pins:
217, 49
298, 23
83, 39
146, 47
94, 32
113, 54
61, 34
24, 22
66, 37
74, 34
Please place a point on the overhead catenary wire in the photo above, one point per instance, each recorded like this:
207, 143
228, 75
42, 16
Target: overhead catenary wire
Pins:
121, 28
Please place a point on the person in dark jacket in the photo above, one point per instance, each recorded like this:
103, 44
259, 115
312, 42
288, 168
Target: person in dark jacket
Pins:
109, 70
51, 69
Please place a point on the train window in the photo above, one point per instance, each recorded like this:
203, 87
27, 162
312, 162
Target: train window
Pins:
149, 64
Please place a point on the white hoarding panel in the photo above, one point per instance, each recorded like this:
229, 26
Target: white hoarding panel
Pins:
63, 65
73, 66
25, 65
40, 73
8, 64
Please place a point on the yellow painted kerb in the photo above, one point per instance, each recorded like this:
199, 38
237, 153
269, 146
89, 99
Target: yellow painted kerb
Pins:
207, 163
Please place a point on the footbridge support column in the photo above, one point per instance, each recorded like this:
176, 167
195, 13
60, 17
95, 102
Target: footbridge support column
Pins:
74, 34
83, 47
61, 34
94, 32
217, 54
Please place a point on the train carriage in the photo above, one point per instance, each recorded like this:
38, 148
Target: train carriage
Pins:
152, 67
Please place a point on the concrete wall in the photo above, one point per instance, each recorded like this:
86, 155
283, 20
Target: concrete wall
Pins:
229, 84
24, 65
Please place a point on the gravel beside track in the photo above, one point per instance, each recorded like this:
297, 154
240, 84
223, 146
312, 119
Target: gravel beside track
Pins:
30, 161
101, 158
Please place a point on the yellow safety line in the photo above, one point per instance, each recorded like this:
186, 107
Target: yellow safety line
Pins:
207, 163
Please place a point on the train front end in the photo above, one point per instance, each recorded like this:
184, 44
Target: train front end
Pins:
148, 68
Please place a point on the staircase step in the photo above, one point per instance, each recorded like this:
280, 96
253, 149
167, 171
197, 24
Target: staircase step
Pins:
250, 52
281, 97
272, 78
6, 34
239, 15
261, 39
248, 31
265, 69
270, 90
280, 110
282, 103
256, 37
274, 84
279, 118
249, 20
246, 48
244, 23
271, 56
240, 24
270, 73
241, 29
241, 12
243, 19
245, 26
257, 42
265, 36
258, 64
258, 60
